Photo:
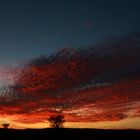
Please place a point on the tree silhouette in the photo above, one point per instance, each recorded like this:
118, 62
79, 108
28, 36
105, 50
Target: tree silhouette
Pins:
56, 121
5, 125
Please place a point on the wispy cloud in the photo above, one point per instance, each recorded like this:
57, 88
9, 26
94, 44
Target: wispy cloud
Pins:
97, 83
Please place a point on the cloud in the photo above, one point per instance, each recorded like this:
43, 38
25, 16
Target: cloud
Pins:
97, 83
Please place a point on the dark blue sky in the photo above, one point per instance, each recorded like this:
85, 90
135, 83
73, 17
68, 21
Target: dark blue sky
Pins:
31, 28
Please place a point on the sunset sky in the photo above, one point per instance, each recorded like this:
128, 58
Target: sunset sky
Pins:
80, 58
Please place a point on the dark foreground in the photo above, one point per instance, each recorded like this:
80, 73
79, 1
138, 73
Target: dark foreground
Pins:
72, 134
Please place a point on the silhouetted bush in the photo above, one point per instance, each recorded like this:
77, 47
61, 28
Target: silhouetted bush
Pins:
56, 121
5, 125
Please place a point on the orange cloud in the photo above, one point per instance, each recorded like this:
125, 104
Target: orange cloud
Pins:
100, 83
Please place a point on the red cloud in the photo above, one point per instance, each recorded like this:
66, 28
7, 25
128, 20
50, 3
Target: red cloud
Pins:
110, 103
96, 84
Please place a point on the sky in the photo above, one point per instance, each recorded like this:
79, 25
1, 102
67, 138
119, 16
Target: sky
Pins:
76, 57
31, 28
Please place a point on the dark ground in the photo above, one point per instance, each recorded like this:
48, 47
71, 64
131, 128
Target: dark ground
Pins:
59, 134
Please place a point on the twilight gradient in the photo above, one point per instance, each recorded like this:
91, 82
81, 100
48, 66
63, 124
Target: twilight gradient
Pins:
89, 85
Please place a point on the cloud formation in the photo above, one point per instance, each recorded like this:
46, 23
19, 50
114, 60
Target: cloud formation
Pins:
96, 83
